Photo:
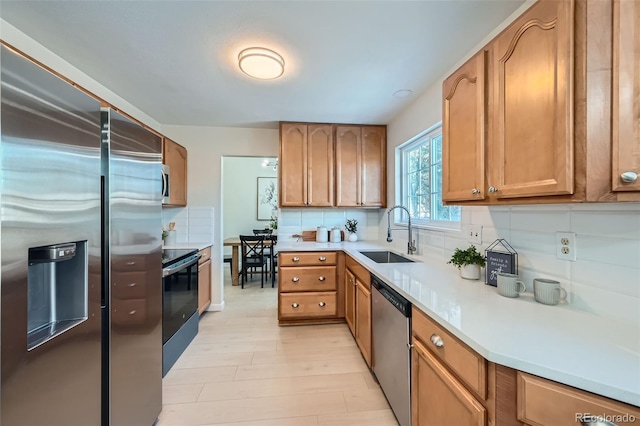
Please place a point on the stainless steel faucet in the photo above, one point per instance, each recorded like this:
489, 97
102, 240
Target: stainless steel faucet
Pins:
411, 245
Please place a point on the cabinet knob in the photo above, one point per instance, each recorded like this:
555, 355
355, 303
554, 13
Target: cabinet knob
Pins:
322, 304
296, 259
437, 340
475, 191
294, 305
322, 258
493, 189
131, 285
321, 278
629, 177
132, 312
295, 279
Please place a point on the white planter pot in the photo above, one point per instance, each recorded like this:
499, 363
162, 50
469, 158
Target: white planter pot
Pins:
470, 272
353, 237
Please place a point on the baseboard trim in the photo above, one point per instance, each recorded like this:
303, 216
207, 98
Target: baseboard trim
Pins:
216, 307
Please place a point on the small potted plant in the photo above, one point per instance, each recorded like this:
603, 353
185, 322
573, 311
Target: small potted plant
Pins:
352, 227
469, 262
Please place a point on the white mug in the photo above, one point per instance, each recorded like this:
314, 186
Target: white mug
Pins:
509, 285
548, 291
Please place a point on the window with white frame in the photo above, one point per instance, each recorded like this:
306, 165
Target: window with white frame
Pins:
421, 181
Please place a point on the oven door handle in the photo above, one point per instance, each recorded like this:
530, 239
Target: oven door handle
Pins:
173, 269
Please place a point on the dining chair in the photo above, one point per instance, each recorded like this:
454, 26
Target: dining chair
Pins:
268, 248
253, 257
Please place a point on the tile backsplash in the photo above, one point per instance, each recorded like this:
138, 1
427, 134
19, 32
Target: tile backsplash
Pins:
193, 224
604, 279
294, 221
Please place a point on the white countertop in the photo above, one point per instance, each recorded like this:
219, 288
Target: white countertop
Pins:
559, 342
190, 245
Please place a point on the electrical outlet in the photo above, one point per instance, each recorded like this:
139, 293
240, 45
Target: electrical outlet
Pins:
475, 234
566, 246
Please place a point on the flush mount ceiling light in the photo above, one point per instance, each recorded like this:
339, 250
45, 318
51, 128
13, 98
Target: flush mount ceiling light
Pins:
258, 62
402, 93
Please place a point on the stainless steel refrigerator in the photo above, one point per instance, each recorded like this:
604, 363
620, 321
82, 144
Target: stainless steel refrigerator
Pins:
81, 285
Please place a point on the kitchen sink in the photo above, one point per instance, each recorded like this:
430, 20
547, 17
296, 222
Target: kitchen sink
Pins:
385, 257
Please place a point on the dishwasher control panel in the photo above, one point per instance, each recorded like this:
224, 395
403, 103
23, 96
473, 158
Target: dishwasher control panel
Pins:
392, 296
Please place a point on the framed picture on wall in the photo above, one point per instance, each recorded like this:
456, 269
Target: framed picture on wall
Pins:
267, 197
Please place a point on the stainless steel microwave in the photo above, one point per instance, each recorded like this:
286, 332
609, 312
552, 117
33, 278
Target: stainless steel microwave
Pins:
165, 184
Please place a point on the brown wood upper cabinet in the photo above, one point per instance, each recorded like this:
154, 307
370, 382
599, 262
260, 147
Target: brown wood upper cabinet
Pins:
306, 165
529, 119
361, 166
175, 156
463, 130
626, 92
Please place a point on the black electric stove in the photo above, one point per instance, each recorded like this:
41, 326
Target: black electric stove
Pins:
171, 256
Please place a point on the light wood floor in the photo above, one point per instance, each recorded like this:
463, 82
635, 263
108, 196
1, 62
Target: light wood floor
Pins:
242, 369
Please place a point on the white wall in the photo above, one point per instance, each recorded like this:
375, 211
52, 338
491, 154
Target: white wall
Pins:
605, 279
206, 147
240, 195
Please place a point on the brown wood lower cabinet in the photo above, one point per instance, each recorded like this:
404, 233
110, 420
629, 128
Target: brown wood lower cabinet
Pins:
438, 398
543, 402
204, 280
358, 306
363, 320
310, 288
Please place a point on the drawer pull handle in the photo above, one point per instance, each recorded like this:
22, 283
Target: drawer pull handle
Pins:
131, 284
131, 263
437, 340
296, 259
295, 279
132, 312
629, 177
322, 304
475, 191
294, 305
322, 278
597, 422
322, 258
493, 189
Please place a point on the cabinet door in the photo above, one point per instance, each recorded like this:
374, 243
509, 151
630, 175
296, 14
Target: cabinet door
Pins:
363, 321
373, 167
293, 165
437, 398
626, 95
204, 286
463, 132
533, 117
175, 156
320, 165
348, 167
350, 300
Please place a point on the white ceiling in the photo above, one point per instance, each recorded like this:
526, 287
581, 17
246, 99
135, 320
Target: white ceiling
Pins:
177, 60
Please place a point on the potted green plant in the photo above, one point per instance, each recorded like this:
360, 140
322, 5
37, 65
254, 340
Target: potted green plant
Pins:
352, 227
469, 262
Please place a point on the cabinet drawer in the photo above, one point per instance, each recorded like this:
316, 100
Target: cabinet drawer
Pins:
543, 402
305, 305
129, 285
310, 258
463, 361
312, 278
206, 255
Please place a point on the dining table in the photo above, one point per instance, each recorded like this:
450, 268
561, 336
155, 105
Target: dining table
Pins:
234, 243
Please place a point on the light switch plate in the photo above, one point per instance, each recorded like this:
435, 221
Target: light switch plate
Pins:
475, 234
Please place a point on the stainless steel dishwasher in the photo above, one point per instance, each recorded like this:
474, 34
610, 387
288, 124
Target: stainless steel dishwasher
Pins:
391, 324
